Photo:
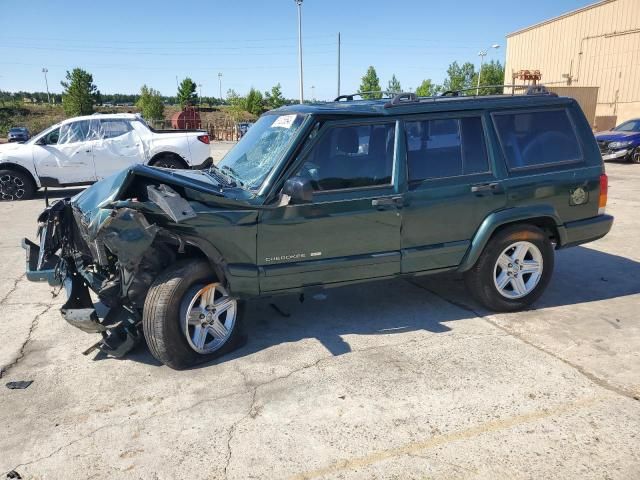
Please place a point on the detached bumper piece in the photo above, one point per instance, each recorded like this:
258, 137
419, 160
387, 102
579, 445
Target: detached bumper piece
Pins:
119, 329
39, 269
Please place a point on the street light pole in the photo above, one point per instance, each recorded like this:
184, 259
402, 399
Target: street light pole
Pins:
46, 82
299, 4
220, 84
482, 54
200, 87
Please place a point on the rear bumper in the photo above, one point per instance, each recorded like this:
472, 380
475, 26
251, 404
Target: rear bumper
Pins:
38, 270
588, 230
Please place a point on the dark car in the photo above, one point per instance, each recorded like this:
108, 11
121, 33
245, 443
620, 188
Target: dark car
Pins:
319, 196
18, 134
621, 143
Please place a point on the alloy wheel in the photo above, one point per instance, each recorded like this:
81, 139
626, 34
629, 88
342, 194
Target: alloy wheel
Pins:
11, 187
518, 270
209, 318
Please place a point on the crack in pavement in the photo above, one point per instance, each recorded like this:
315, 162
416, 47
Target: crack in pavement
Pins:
253, 388
13, 288
21, 351
488, 318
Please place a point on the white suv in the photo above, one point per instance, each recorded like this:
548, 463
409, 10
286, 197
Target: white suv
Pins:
83, 150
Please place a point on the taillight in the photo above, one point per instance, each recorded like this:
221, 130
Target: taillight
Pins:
604, 189
204, 139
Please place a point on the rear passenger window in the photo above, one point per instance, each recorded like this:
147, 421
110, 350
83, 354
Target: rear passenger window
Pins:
114, 128
537, 139
445, 148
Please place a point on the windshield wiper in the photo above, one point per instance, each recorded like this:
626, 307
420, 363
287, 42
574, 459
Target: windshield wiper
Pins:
221, 176
233, 174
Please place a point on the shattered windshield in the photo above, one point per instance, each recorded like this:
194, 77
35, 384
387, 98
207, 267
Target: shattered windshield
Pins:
251, 160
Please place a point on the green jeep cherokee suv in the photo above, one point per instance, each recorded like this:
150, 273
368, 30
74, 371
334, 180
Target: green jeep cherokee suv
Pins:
317, 196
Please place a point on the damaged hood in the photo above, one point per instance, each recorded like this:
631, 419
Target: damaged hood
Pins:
113, 188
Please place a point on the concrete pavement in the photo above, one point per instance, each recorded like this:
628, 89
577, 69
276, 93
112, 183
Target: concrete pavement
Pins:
400, 379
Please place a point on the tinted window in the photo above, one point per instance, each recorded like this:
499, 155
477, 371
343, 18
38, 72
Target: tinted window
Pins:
74, 132
114, 128
445, 148
351, 157
531, 139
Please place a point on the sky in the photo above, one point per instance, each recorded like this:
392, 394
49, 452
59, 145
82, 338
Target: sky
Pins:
253, 43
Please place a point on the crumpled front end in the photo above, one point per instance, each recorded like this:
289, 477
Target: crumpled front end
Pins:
106, 254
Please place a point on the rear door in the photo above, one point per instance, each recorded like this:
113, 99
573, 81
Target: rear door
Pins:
116, 147
351, 229
452, 187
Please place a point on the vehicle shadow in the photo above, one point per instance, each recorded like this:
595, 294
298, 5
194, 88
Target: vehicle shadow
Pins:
403, 305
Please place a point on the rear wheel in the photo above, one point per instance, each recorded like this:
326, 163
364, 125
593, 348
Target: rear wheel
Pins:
189, 317
513, 270
16, 185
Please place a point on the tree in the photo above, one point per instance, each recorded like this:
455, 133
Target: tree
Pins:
460, 77
370, 83
150, 103
187, 93
274, 99
428, 89
254, 102
394, 85
492, 74
79, 93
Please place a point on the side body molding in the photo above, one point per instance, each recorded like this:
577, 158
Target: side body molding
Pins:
503, 217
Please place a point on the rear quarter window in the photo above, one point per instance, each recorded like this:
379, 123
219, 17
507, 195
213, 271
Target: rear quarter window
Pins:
537, 139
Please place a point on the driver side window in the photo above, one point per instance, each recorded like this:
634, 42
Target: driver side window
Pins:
351, 156
74, 132
51, 138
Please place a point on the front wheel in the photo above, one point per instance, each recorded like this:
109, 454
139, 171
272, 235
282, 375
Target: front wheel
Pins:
513, 270
189, 317
16, 185
635, 155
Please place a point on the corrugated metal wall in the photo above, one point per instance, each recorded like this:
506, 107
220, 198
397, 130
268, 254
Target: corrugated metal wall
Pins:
597, 46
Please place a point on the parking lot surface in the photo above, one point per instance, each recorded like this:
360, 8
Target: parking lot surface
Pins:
397, 379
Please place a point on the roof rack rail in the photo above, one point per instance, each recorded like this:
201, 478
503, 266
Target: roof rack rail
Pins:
405, 98
349, 97
401, 98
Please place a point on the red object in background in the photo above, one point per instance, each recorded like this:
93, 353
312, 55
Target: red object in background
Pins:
187, 118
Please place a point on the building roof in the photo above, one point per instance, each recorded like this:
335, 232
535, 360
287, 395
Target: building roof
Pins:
564, 15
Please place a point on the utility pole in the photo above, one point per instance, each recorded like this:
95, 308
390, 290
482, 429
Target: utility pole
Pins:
220, 84
200, 87
313, 92
482, 54
45, 70
338, 63
299, 4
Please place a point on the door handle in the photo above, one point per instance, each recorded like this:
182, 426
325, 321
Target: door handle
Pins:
387, 201
485, 187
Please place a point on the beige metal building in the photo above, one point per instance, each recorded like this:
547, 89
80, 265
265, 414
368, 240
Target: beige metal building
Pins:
597, 46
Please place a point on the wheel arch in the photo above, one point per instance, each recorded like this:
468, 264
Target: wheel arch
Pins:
168, 153
543, 217
19, 168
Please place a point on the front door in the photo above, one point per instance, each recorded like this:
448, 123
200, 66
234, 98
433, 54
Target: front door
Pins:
351, 229
117, 147
452, 188
66, 155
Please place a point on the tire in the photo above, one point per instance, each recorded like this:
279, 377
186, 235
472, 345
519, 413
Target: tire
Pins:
635, 155
524, 283
169, 161
168, 301
16, 185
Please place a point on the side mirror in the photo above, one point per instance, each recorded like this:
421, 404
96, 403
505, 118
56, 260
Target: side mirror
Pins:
299, 189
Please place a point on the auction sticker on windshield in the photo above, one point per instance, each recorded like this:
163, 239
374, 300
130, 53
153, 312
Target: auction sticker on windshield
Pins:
284, 121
